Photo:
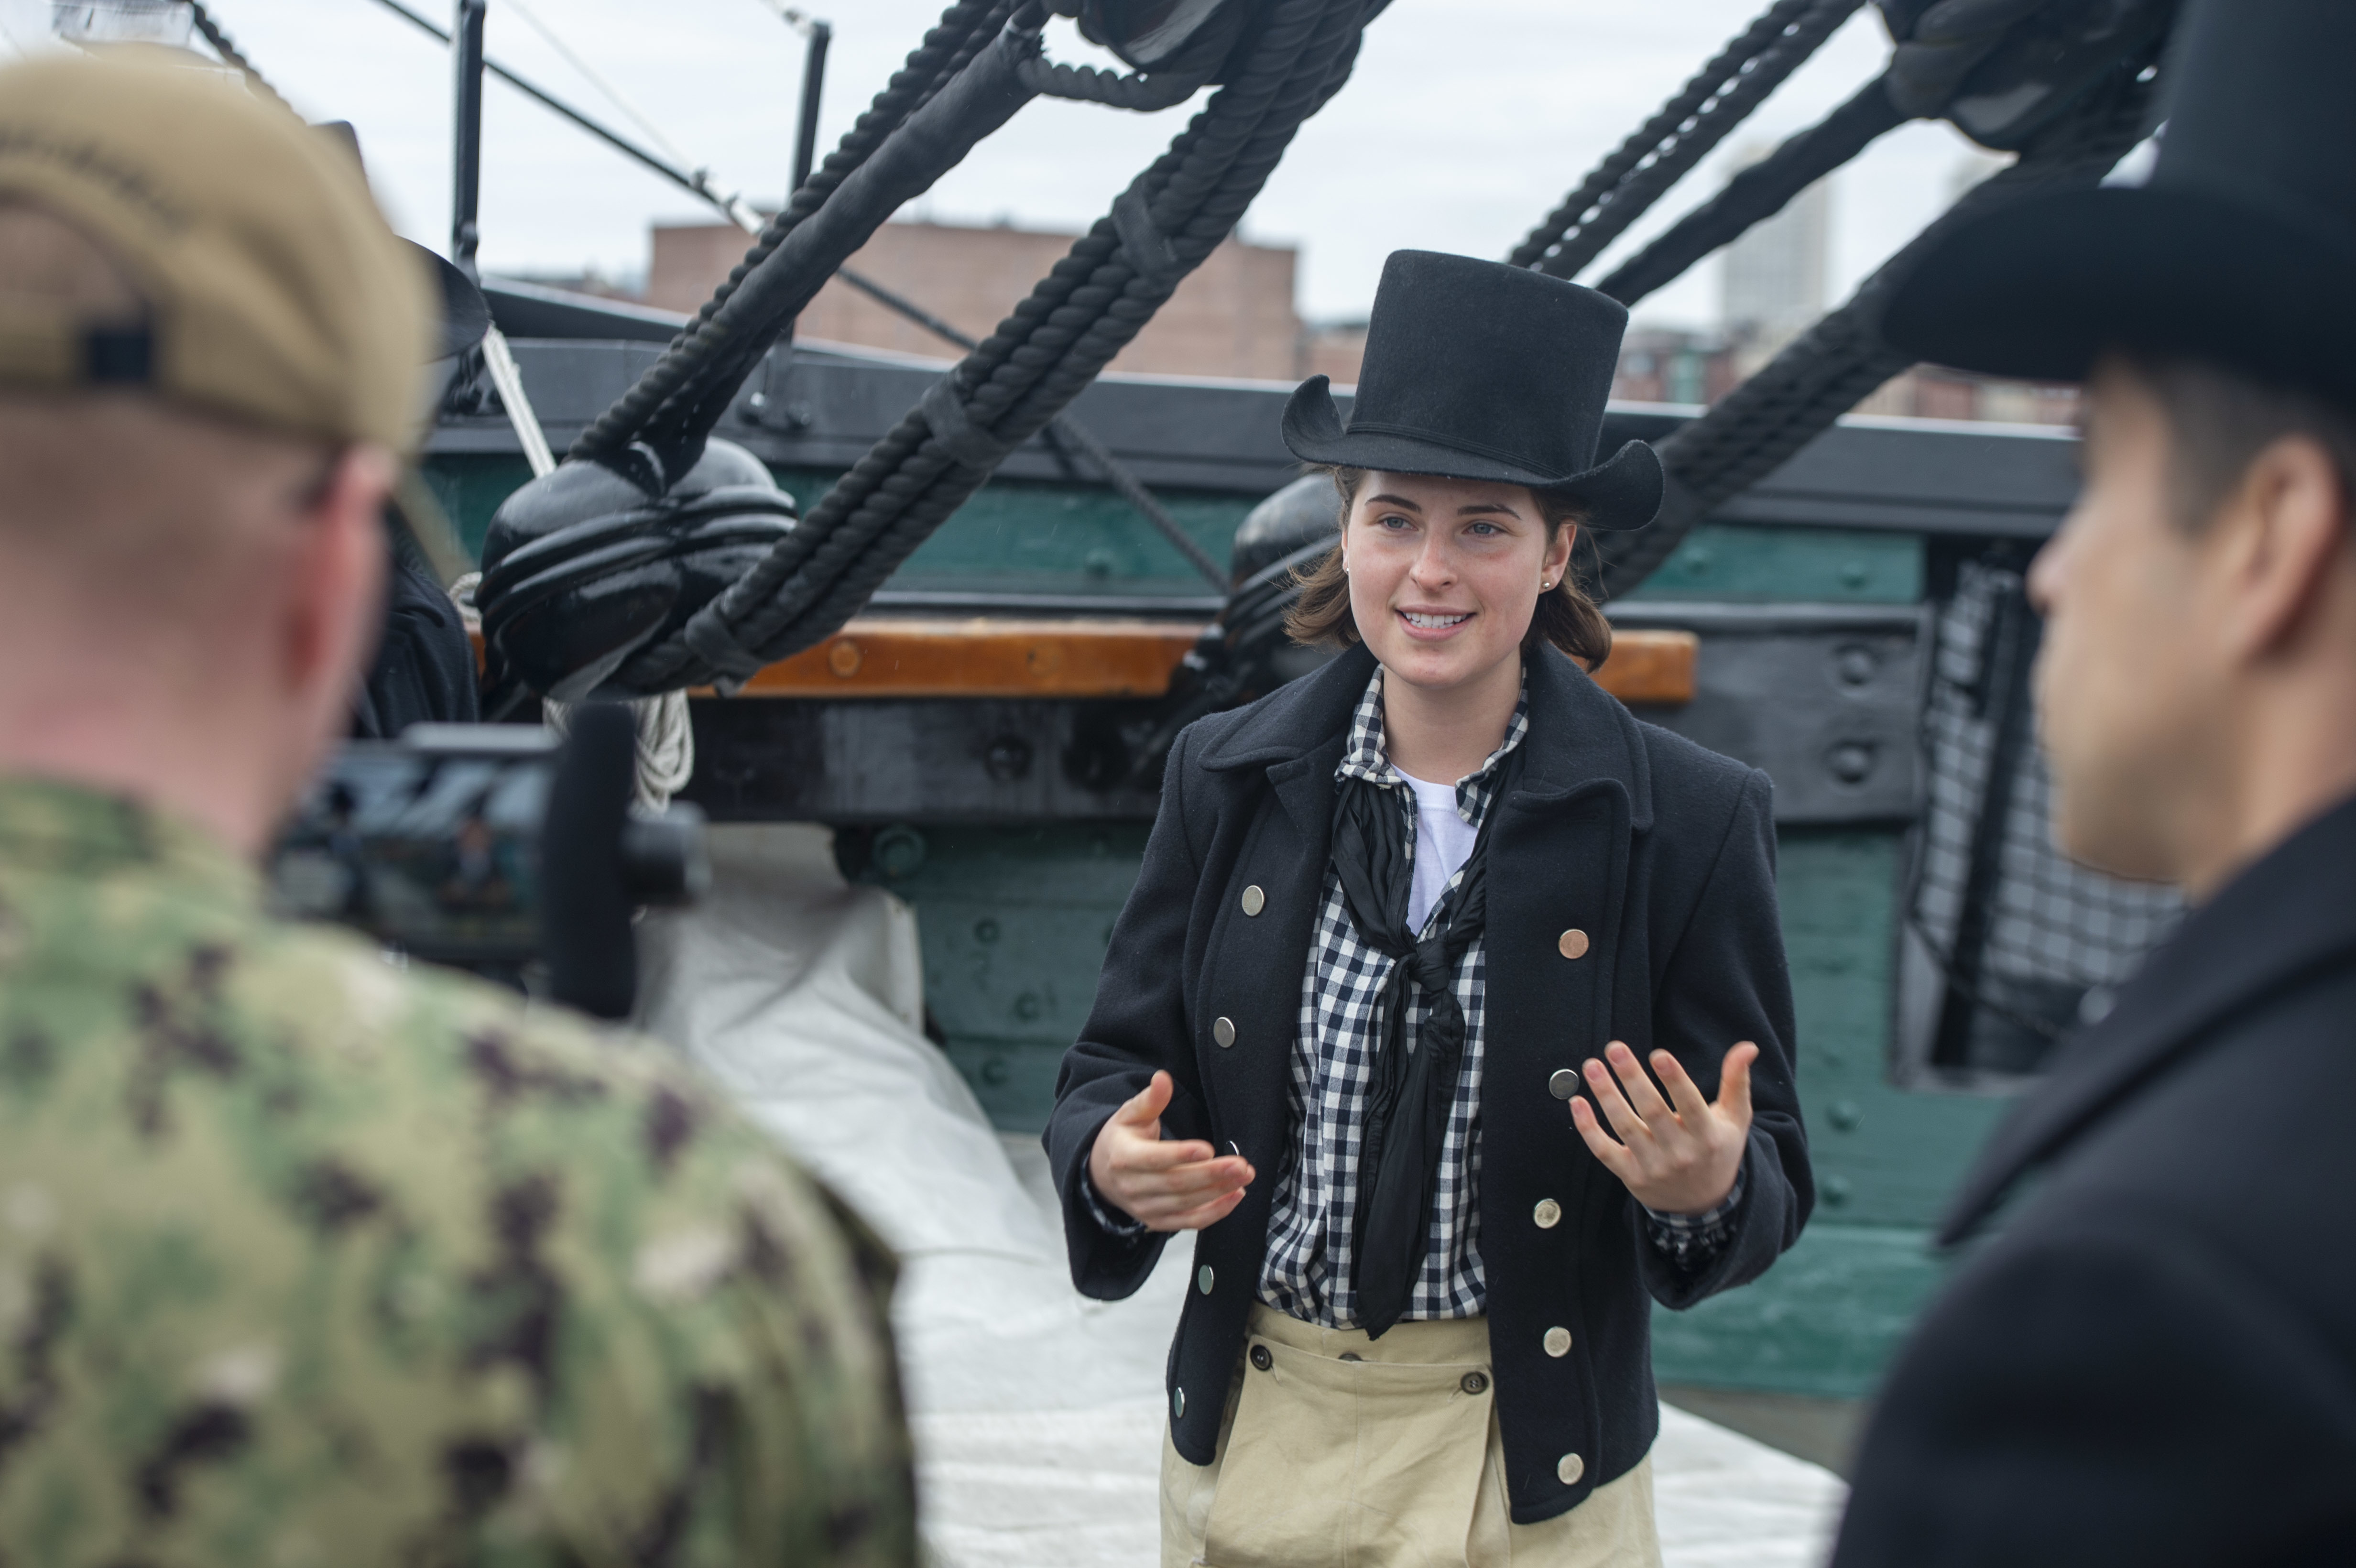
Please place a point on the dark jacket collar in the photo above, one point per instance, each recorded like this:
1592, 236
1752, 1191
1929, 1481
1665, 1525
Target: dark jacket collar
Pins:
1578, 732
2285, 916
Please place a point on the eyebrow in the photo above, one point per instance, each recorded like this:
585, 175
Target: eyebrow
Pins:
1471, 509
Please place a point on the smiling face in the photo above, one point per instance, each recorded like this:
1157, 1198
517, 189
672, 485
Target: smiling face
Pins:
1446, 573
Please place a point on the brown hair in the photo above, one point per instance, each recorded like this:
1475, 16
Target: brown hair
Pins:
1567, 615
2220, 418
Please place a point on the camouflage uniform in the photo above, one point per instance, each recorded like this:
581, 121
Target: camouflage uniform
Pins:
305, 1260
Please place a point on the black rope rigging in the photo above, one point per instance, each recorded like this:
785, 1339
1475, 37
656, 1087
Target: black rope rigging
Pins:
1821, 374
1720, 96
1089, 305
1757, 194
691, 365
1064, 431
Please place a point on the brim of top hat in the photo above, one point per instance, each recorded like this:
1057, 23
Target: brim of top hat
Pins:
2039, 290
1620, 493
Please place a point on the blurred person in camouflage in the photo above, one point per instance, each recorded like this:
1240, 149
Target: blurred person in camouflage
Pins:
303, 1260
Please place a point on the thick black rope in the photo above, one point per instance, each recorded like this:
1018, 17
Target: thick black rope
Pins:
1089, 305
1065, 430
1718, 98
1758, 193
1821, 374
688, 370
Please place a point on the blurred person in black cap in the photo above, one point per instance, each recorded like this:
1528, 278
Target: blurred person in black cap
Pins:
2155, 1361
1391, 919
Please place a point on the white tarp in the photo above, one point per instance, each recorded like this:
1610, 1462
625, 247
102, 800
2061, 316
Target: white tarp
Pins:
1037, 1412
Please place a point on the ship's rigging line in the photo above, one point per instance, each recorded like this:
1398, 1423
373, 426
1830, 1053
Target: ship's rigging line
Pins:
698, 182
1822, 373
1718, 99
1044, 354
596, 78
670, 164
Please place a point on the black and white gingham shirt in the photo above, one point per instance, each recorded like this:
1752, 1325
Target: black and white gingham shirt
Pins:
1307, 1271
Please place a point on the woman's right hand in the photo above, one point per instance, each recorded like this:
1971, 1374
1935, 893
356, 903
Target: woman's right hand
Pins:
1163, 1185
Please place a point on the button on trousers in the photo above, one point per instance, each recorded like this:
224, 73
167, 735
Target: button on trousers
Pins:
1337, 1449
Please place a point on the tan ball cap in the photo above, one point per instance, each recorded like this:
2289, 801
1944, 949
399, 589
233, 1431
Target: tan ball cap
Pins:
275, 292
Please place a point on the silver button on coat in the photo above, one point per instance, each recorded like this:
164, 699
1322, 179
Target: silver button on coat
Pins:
1557, 1341
1255, 900
1564, 1083
1222, 1033
1571, 1468
1203, 1280
1547, 1215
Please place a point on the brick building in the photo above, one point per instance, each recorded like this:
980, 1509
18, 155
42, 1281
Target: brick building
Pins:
1233, 317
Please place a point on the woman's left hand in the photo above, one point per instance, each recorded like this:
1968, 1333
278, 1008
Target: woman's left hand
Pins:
1677, 1156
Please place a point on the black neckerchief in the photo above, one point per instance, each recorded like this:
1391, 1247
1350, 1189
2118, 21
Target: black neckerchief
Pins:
1409, 1095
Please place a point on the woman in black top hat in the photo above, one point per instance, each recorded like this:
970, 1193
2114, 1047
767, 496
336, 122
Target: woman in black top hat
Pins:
1391, 918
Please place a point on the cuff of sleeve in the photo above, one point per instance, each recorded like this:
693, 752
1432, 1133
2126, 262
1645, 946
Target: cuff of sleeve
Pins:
1692, 1241
1109, 1218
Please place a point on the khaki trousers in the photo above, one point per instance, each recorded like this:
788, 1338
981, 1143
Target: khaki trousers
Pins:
1337, 1449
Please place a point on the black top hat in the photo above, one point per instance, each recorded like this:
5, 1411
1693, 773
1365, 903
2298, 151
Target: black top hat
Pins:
2240, 250
1478, 370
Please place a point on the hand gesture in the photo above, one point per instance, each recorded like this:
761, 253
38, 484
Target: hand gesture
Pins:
1163, 1185
1677, 1156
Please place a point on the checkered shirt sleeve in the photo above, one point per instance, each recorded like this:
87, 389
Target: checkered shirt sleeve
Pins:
1692, 1242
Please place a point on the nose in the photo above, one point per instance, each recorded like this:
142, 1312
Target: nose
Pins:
1433, 568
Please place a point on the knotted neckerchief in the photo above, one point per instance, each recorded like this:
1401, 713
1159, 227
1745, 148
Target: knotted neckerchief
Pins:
1409, 1095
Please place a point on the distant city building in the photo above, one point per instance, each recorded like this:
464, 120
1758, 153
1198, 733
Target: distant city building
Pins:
1334, 349
1773, 281
1232, 318
1665, 365
1935, 392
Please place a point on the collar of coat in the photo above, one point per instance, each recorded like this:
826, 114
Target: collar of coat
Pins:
2284, 919
1580, 737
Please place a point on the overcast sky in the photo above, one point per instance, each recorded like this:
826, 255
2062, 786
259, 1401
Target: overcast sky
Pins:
1466, 122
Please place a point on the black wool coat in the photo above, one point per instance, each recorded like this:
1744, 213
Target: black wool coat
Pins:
1661, 852
2155, 1363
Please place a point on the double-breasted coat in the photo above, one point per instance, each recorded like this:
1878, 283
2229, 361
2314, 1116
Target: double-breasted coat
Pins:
2154, 1362
1661, 853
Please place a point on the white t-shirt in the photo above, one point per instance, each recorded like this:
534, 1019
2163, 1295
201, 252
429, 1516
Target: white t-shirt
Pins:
1443, 842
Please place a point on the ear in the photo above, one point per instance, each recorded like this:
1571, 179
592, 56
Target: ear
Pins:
2283, 535
1557, 560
